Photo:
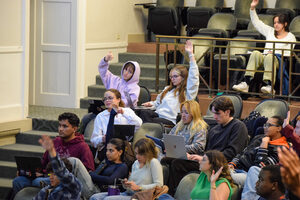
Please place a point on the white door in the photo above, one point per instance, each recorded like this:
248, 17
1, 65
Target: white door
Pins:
55, 53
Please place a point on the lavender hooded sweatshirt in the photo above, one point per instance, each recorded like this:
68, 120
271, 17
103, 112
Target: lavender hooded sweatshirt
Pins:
130, 90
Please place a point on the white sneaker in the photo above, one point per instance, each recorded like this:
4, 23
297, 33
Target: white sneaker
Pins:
242, 87
267, 89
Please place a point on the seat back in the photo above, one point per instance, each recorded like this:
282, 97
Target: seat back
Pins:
222, 21
185, 186
237, 104
241, 8
266, 19
170, 3
152, 129
295, 27
144, 96
210, 3
272, 107
239, 47
290, 4
27, 193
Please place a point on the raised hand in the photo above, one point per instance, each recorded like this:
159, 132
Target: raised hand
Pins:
214, 176
189, 47
254, 4
290, 169
286, 120
48, 145
109, 57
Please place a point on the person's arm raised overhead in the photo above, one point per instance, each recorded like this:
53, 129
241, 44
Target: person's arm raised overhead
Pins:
106, 76
193, 76
257, 23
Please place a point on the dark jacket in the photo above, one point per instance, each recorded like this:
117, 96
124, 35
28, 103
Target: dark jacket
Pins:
254, 155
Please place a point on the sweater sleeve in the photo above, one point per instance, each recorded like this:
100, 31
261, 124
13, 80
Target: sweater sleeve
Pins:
192, 81
290, 134
197, 145
157, 175
96, 138
132, 118
106, 76
120, 172
237, 141
259, 25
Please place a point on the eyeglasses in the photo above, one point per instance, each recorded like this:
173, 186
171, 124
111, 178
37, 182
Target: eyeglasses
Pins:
174, 76
108, 98
267, 125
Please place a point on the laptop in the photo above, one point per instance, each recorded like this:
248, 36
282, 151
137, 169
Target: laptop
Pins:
175, 146
124, 131
27, 166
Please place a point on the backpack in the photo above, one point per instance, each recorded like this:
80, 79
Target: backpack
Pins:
249, 121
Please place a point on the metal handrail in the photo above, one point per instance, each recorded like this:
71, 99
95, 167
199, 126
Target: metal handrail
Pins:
209, 86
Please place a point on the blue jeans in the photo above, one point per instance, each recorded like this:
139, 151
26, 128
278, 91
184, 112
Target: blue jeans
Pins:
249, 191
239, 176
103, 195
21, 182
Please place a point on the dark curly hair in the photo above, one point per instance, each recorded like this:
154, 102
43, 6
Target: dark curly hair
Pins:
71, 117
218, 160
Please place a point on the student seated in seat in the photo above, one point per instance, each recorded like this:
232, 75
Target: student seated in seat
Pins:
113, 168
115, 109
127, 84
146, 172
280, 32
69, 143
183, 86
63, 184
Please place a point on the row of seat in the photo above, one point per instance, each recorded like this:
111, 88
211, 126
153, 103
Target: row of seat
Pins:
166, 17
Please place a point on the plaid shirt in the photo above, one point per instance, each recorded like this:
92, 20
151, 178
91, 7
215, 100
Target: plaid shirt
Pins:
69, 187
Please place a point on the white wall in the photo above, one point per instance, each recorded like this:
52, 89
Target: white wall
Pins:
14, 26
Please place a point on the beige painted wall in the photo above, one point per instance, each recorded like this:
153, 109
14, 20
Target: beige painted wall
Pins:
13, 59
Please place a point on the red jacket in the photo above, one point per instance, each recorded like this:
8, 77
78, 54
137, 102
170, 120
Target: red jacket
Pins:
76, 147
292, 137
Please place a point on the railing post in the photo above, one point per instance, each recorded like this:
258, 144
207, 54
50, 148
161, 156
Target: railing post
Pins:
157, 65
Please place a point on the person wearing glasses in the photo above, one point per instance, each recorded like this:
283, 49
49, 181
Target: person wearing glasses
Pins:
261, 151
123, 115
183, 86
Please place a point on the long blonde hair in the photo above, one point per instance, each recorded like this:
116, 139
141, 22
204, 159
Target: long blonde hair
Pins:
197, 124
182, 71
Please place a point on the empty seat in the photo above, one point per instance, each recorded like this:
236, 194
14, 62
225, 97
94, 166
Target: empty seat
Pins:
242, 13
144, 96
290, 7
220, 25
251, 30
197, 17
237, 59
295, 27
164, 18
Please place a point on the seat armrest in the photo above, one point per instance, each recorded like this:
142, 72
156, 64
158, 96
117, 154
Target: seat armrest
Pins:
146, 5
226, 10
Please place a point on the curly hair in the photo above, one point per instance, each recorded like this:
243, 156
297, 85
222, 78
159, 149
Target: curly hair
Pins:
218, 160
71, 117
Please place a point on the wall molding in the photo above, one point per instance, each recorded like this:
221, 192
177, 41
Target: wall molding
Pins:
113, 45
11, 49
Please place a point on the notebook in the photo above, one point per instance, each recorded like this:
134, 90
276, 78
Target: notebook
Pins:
124, 131
27, 166
175, 146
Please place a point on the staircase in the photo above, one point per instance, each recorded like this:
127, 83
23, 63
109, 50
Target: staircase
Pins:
44, 119
44, 122
147, 78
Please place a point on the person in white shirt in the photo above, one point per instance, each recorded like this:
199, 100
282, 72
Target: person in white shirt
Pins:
112, 100
279, 33
183, 86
